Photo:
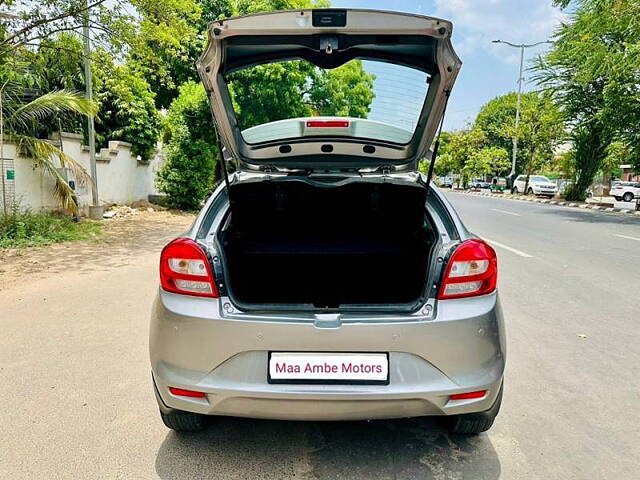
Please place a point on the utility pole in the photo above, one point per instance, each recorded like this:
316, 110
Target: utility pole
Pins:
521, 46
88, 80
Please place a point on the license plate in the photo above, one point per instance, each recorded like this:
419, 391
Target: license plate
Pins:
328, 368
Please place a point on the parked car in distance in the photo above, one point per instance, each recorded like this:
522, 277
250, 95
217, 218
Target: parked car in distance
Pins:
480, 184
538, 185
326, 278
625, 191
446, 182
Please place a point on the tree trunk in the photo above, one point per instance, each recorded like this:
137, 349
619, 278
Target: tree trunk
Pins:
528, 168
590, 147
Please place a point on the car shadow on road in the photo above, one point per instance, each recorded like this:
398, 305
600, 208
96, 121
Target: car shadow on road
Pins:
404, 449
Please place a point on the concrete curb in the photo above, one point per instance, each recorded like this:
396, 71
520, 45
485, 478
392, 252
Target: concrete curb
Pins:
559, 203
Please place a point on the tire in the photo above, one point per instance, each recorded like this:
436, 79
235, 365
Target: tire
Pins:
475, 423
515, 190
618, 199
184, 421
627, 197
530, 191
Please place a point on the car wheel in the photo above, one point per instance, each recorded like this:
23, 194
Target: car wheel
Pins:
515, 190
184, 421
475, 423
530, 191
618, 199
627, 197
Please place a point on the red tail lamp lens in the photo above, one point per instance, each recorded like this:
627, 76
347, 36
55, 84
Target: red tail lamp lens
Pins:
185, 269
468, 395
471, 271
186, 393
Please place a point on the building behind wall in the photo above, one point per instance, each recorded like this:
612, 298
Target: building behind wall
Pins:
629, 174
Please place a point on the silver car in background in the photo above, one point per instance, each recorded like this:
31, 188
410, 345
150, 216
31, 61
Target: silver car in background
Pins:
326, 278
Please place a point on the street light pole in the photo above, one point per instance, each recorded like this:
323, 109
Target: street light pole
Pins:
515, 136
521, 46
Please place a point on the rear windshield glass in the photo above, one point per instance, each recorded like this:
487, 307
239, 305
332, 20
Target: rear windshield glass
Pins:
361, 99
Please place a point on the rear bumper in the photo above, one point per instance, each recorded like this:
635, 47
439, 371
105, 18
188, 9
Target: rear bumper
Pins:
194, 346
316, 404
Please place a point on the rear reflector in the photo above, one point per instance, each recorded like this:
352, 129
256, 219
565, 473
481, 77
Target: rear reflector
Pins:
468, 395
186, 393
471, 271
185, 269
327, 123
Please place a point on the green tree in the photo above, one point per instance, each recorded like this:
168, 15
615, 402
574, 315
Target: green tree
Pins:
445, 164
188, 176
30, 23
277, 91
592, 71
171, 36
57, 64
266, 93
540, 131
260, 94
213, 10
618, 153
498, 115
17, 120
456, 151
346, 91
127, 109
126, 104
443, 167
168, 39
488, 161
462, 147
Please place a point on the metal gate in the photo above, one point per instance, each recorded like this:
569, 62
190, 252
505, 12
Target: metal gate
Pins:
7, 185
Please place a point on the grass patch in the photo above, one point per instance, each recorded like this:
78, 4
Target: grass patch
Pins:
31, 229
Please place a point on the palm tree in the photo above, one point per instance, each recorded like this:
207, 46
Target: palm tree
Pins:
17, 118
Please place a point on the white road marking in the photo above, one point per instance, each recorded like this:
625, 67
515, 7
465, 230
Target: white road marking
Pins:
506, 247
505, 212
628, 238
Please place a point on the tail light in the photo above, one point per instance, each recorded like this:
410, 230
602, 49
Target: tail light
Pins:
472, 271
327, 123
184, 268
181, 392
468, 395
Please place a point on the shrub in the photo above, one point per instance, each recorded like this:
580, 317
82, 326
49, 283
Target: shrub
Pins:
188, 175
29, 229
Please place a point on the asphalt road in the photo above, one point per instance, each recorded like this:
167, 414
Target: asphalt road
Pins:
77, 400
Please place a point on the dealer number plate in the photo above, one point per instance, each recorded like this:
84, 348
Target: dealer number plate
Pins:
328, 368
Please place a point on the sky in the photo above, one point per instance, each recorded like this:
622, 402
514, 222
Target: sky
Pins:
488, 69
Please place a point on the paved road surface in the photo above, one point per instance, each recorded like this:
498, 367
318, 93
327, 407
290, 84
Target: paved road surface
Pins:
77, 400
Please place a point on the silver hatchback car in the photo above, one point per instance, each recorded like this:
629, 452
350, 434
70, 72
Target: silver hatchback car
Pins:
326, 278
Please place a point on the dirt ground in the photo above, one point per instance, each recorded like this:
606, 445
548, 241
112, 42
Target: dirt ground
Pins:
141, 231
